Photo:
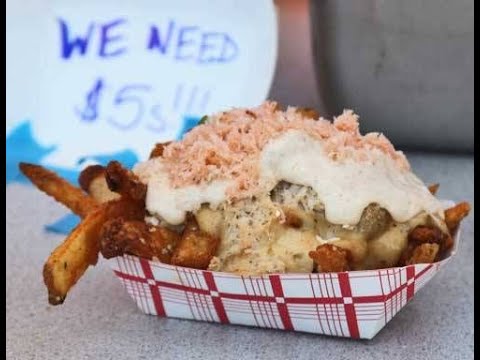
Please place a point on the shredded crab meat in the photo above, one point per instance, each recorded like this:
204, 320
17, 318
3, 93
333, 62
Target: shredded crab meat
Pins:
229, 145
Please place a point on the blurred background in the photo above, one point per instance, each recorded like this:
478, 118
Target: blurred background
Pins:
406, 67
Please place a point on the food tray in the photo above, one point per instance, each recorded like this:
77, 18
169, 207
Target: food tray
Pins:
353, 304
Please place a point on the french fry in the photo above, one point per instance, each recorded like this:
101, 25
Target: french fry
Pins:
60, 189
455, 214
88, 174
423, 254
92, 180
99, 190
119, 237
70, 260
425, 234
421, 235
157, 151
195, 248
433, 188
330, 258
124, 182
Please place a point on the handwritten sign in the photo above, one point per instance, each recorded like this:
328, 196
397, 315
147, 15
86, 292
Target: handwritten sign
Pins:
124, 75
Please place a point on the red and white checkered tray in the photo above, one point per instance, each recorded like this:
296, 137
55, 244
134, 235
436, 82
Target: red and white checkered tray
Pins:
355, 304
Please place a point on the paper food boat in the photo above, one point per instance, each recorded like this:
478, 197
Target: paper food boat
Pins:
354, 304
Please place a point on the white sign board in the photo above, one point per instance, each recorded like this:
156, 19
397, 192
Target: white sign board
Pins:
112, 75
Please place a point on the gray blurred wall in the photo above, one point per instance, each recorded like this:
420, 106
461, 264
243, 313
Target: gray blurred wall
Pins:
406, 67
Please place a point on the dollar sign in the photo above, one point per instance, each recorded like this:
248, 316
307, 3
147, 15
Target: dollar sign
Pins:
90, 111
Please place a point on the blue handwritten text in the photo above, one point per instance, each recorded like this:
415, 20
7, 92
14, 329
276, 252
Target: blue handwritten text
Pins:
180, 43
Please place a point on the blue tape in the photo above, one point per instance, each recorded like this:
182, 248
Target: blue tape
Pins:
21, 146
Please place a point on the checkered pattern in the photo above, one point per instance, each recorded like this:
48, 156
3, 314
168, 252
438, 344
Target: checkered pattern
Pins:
354, 304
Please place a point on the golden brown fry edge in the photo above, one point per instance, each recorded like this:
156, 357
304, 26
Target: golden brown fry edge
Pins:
60, 189
124, 182
68, 262
92, 180
196, 248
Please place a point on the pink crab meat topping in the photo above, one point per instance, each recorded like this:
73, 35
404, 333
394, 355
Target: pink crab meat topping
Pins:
229, 145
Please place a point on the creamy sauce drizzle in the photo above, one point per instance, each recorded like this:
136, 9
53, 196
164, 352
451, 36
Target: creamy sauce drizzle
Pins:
345, 186
170, 203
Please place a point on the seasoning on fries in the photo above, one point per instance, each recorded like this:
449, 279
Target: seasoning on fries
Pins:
119, 237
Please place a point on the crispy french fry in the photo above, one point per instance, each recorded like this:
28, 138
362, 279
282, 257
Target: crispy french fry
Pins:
60, 189
425, 234
99, 190
124, 182
423, 254
88, 174
455, 214
119, 236
195, 248
157, 151
69, 260
330, 258
433, 188
92, 180
415, 253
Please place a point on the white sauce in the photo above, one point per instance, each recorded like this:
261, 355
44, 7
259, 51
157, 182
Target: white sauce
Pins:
170, 203
345, 186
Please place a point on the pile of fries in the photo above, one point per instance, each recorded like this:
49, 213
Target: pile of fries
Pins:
111, 203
